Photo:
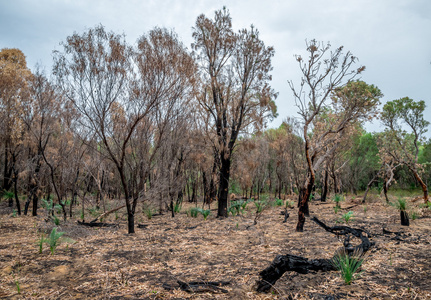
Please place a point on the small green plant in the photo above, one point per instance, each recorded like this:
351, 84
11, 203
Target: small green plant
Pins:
194, 211
414, 215
237, 207
53, 240
14, 213
177, 207
8, 195
17, 285
348, 265
50, 207
279, 202
56, 220
365, 209
260, 205
41, 242
400, 204
337, 199
347, 217
148, 211
205, 213
336, 209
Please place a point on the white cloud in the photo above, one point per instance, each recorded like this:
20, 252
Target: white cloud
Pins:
390, 37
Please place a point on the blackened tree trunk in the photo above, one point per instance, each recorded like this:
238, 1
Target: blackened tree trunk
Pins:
131, 222
404, 218
7, 172
223, 185
303, 209
15, 190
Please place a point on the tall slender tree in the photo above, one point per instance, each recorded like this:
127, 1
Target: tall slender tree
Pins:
235, 94
325, 87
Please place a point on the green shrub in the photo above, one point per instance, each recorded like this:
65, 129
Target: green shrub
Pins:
337, 199
50, 208
205, 213
53, 240
8, 195
347, 217
237, 207
260, 205
414, 215
148, 211
56, 220
348, 265
177, 207
400, 204
279, 202
194, 211
336, 209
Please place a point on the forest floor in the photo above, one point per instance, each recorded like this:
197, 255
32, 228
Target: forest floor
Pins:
108, 263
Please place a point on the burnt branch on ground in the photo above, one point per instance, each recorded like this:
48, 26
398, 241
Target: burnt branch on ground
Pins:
284, 263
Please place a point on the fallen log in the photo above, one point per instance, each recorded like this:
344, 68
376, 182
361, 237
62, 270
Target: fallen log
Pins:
199, 286
94, 224
345, 230
284, 263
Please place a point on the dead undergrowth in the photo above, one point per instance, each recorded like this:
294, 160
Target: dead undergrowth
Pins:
108, 263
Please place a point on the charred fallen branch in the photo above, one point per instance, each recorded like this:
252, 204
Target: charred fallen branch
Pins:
199, 286
284, 263
97, 224
345, 230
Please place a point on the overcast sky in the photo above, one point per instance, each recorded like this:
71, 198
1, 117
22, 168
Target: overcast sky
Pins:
392, 38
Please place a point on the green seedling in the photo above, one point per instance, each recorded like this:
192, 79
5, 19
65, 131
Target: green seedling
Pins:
53, 240
348, 265
279, 202
177, 207
347, 217
337, 199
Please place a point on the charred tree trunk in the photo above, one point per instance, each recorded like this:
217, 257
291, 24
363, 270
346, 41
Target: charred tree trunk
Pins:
284, 263
223, 185
131, 222
7, 172
303, 209
404, 218
15, 190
